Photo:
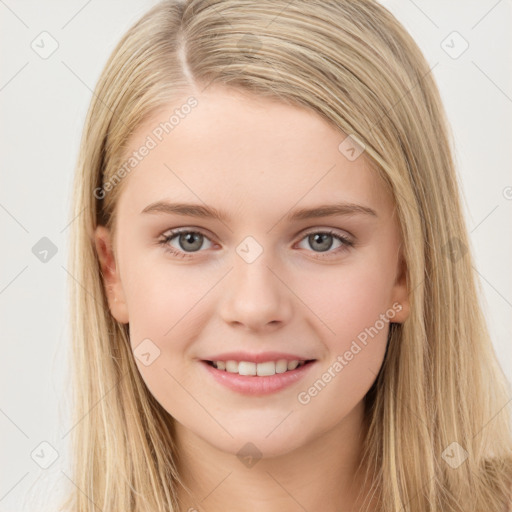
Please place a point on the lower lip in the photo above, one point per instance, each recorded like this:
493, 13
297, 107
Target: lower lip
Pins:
255, 385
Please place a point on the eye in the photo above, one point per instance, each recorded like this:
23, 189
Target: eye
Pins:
187, 241
323, 241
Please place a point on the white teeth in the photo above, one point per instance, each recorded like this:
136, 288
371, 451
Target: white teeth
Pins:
268, 368
232, 366
281, 366
261, 369
245, 368
293, 364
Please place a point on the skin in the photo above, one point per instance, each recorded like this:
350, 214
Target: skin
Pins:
257, 160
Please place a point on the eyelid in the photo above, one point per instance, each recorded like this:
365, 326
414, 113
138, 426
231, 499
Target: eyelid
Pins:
173, 232
333, 231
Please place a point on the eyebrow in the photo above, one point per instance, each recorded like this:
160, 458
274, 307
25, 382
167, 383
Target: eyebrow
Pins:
200, 211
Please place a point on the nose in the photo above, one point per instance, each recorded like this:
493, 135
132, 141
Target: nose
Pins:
255, 296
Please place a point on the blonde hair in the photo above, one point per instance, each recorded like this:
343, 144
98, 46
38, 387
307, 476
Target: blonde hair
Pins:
354, 64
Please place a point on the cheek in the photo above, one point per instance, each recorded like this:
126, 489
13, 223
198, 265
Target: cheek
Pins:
353, 307
166, 304
353, 312
163, 309
161, 294
348, 299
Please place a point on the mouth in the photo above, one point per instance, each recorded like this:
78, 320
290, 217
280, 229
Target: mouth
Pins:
258, 379
263, 369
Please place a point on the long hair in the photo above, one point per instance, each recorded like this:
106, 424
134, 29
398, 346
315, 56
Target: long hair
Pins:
439, 431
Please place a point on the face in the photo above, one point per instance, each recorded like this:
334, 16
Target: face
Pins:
260, 279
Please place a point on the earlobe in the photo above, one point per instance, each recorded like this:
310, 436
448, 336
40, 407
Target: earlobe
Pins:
110, 274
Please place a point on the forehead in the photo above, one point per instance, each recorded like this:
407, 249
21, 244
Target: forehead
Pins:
248, 152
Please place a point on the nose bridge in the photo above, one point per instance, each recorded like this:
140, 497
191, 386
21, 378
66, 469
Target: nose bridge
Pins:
255, 295
252, 271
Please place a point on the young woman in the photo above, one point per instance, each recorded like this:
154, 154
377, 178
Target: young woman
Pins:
274, 306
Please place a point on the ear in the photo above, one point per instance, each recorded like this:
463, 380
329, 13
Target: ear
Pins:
110, 274
400, 294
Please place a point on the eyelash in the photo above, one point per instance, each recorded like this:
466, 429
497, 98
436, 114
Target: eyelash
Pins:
180, 254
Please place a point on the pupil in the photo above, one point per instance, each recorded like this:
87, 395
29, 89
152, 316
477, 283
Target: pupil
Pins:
189, 238
321, 237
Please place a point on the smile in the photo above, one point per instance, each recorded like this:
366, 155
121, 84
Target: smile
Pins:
252, 383
263, 369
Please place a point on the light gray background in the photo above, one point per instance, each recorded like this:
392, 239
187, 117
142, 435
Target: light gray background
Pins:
43, 104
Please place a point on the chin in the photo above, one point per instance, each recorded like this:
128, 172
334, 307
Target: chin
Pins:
255, 443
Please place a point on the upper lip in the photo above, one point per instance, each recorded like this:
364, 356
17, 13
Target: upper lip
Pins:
256, 358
